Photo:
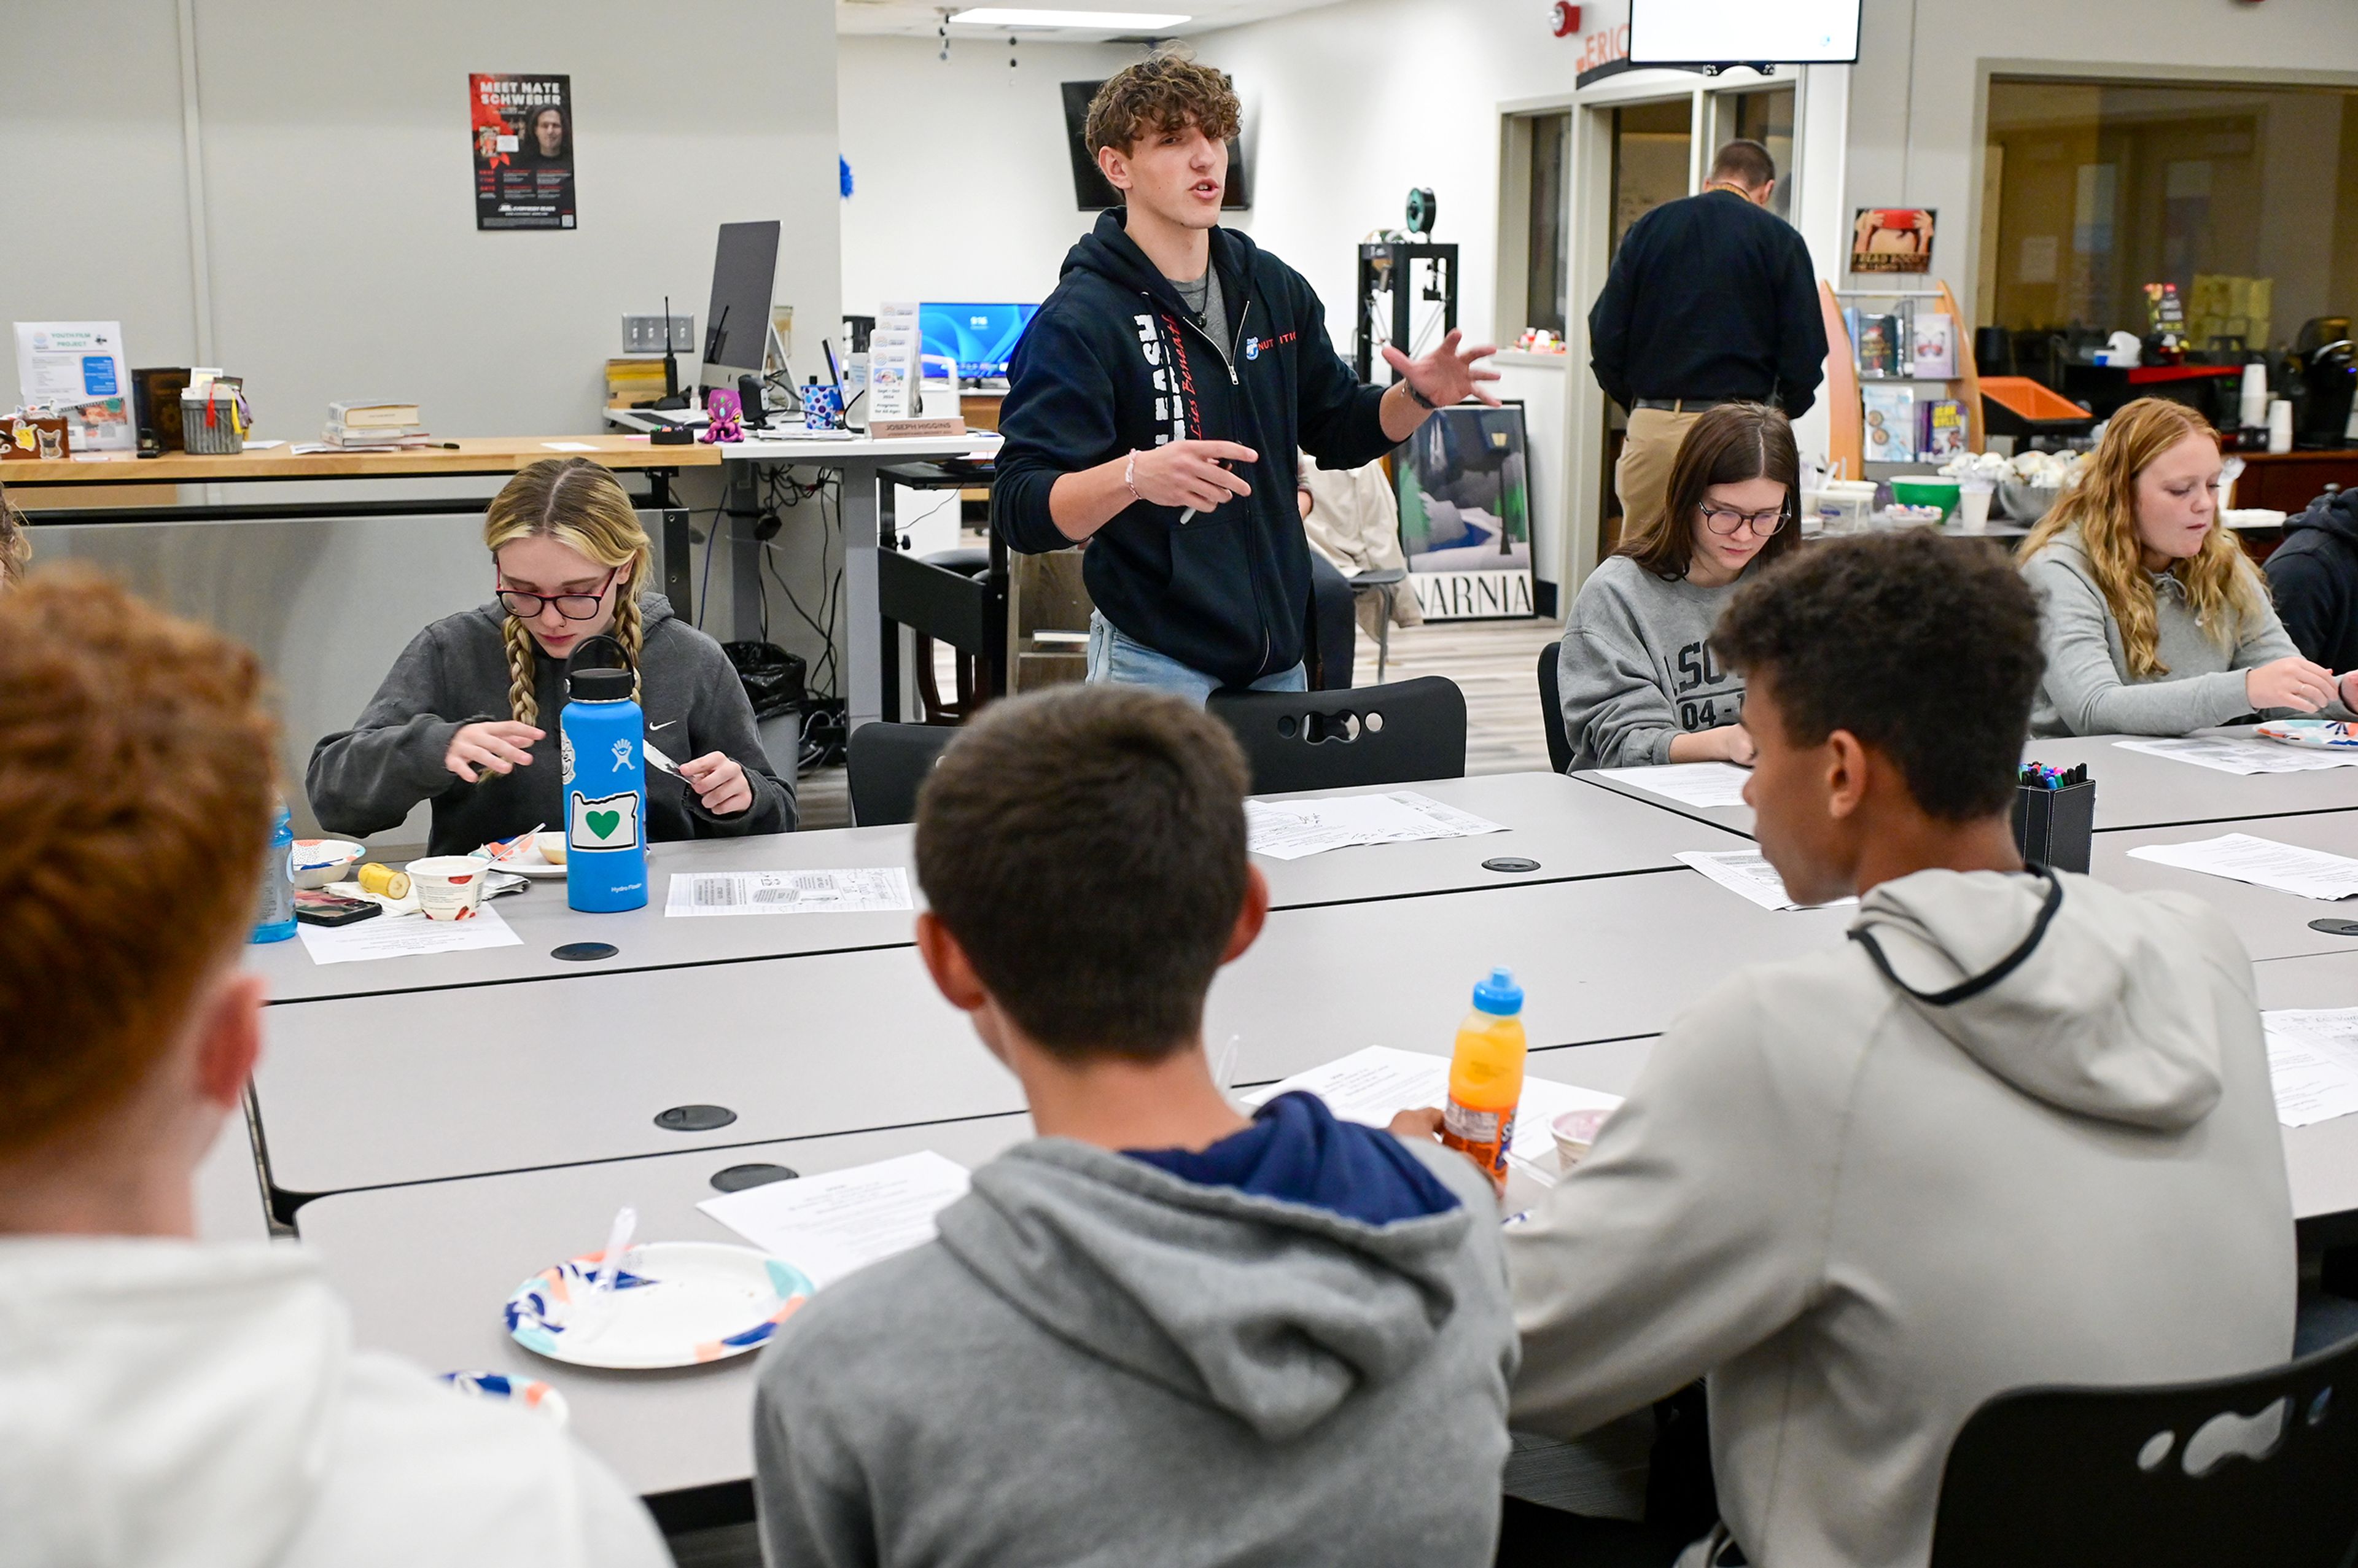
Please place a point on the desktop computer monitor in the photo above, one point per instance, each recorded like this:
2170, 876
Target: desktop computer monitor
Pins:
981, 338
737, 323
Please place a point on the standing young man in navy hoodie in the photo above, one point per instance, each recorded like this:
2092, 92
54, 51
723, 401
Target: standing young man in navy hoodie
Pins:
1155, 403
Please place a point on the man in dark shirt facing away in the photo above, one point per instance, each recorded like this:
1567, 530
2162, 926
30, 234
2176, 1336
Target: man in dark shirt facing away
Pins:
1711, 299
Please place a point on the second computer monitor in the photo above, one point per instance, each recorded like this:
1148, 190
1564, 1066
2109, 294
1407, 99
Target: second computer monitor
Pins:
737, 323
981, 338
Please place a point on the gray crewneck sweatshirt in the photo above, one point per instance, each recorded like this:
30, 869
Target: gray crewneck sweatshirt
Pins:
1636, 667
1100, 1363
2088, 689
455, 672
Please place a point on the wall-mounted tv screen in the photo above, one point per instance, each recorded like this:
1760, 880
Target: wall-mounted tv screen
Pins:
1090, 188
981, 338
1742, 32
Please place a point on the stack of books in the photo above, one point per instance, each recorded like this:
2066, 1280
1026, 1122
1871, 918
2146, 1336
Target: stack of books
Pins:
373, 425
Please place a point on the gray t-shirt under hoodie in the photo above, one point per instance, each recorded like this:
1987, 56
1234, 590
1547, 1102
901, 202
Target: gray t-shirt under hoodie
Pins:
1203, 298
1637, 669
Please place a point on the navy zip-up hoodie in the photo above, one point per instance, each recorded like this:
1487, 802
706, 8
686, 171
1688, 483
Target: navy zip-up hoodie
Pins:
1115, 362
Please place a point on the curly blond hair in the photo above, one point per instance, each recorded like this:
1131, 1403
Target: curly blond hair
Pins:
1167, 91
2221, 586
15, 542
582, 505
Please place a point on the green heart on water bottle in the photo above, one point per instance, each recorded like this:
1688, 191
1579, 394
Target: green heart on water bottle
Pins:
603, 823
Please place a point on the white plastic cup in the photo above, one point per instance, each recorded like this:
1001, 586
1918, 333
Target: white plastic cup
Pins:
2279, 426
448, 887
1974, 504
2254, 403
1575, 1133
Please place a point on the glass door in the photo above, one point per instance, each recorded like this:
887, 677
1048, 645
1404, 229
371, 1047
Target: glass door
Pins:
1652, 156
1764, 116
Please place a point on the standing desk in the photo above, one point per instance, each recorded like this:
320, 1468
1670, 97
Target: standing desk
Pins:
859, 459
2134, 789
363, 1092
1573, 832
427, 1265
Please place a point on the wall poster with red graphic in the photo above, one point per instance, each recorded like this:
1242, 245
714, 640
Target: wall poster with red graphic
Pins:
523, 150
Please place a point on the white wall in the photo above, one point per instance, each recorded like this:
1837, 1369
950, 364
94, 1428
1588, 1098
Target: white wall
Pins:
340, 228
961, 188
1915, 109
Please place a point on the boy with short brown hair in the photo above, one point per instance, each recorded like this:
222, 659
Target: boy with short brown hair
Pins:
1158, 1333
162, 1400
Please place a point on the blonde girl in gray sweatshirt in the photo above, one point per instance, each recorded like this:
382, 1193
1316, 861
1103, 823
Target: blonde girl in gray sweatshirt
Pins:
2154, 621
1637, 677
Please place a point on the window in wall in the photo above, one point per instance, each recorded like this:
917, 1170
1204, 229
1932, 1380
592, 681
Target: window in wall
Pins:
2246, 197
1545, 270
1765, 117
1653, 158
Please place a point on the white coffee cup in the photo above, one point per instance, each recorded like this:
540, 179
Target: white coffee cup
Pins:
448, 887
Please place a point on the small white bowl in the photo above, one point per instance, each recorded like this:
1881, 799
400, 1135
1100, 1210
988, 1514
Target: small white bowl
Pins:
1575, 1133
315, 862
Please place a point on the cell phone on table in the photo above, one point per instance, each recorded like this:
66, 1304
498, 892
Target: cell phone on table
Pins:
322, 908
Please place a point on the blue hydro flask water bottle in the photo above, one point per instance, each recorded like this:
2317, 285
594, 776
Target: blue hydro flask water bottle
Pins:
605, 734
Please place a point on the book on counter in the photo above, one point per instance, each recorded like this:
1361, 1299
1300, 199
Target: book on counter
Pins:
1941, 430
1934, 349
388, 436
372, 415
1890, 435
1876, 341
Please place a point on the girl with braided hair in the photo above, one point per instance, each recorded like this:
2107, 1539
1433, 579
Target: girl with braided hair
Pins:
467, 718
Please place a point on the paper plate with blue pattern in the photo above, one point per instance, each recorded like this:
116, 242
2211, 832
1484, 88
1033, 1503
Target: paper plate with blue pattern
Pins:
2319, 734
673, 1303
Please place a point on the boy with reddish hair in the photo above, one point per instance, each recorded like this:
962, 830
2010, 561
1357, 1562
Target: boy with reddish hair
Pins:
164, 1402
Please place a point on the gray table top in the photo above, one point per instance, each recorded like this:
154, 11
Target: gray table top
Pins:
1571, 831
2134, 789
2271, 925
425, 1267
404, 1088
2322, 1158
230, 1203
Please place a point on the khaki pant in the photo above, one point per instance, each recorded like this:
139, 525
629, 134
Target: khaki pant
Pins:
1642, 477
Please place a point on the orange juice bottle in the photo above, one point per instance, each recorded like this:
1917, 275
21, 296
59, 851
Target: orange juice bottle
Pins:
1486, 1075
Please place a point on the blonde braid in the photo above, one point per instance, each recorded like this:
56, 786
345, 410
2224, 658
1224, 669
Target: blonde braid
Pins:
523, 698
630, 631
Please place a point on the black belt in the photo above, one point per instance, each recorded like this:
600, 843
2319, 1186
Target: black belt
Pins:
1691, 404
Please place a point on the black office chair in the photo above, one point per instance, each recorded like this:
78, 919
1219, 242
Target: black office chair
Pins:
2260, 1469
1330, 740
1559, 743
885, 763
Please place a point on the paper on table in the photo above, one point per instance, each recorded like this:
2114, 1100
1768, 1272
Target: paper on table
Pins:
398, 936
1289, 830
829, 1225
2313, 1062
2238, 754
788, 892
1746, 871
263, 446
2287, 867
1689, 783
1372, 1086
569, 445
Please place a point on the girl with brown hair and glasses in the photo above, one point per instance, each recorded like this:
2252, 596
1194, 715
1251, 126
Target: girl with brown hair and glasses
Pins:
1637, 677
467, 718
2154, 621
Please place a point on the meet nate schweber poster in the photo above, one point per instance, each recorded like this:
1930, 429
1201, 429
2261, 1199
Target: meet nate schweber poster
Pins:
523, 149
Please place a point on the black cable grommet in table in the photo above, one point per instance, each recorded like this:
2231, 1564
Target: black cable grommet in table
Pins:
737, 1178
1511, 863
694, 1118
584, 952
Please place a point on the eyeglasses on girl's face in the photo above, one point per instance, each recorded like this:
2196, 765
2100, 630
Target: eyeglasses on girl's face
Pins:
1725, 523
573, 606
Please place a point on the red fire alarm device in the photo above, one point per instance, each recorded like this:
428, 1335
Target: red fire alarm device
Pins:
1565, 19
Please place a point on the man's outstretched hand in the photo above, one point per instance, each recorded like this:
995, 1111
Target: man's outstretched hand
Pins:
1448, 374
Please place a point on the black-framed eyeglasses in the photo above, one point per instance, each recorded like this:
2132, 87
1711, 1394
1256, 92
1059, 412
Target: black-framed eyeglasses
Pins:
573, 606
1726, 523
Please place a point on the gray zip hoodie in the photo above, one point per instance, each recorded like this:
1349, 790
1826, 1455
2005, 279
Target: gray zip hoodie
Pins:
1636, 667
2088, 689
1864, 1214
455, 672
1100, 1363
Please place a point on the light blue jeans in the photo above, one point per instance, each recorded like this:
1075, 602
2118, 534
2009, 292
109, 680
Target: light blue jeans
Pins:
1116, 658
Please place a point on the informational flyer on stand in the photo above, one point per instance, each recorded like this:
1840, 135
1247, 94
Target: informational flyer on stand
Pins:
523, 150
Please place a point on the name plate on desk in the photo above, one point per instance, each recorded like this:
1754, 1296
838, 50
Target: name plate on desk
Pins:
885, 429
